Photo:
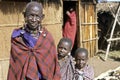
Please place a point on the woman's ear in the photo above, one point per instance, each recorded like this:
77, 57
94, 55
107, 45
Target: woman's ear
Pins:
43, 16
24, 14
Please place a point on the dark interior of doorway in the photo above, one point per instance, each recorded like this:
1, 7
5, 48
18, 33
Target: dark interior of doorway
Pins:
66, 6
104, 28
105, 24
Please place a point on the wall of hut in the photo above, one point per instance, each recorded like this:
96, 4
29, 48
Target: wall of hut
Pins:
88, 28
11, 17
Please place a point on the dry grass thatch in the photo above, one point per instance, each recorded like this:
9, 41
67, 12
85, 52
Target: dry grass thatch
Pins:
110, 7
105, 6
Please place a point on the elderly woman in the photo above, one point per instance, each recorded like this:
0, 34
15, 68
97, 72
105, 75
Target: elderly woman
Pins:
33, 53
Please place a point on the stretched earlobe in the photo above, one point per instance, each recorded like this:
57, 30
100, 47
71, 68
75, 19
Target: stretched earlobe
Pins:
43, 16
24, 14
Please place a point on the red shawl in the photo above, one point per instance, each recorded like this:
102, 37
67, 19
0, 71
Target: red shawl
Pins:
25, 61
69, 30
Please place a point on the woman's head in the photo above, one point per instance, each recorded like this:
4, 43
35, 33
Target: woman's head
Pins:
33, 15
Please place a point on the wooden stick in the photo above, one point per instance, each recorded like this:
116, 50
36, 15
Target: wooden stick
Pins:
113, 39
89, 23
10, 25
6, 59
96, 30
81, 29
91, 51
85, 45
90, 39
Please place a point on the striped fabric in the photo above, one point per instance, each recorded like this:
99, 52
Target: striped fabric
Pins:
26, 62
87, 73
67, 68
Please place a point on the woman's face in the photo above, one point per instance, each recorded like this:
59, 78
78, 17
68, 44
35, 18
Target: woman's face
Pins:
33, 17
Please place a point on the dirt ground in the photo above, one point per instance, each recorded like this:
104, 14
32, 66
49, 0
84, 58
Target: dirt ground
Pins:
101, 66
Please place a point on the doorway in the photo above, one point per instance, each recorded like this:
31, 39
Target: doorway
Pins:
66, 5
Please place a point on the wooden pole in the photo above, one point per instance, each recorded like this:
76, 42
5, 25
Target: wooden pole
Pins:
89, 23
108, 47
85, 44
10, 25
91, 51
80, 21
96, 30
96, 38
113, 39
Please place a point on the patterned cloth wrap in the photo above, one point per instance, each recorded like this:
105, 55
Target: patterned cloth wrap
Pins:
27, 62
67, 68
87, 73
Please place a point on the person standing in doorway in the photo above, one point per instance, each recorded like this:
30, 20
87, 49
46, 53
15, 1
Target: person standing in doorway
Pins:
33, 53
69, 30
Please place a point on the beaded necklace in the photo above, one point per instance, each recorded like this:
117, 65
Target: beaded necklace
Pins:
34, 34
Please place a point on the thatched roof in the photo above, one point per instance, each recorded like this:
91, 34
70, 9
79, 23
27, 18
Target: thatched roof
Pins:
56, 2
105, 6
109, 7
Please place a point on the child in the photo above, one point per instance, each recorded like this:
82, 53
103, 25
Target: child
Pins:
65, 61
83, 71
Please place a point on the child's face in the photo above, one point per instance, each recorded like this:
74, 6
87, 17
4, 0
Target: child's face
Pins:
81, 60
63, 49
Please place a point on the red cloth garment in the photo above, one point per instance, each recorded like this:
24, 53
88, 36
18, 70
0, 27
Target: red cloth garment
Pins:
26, 61
69, 30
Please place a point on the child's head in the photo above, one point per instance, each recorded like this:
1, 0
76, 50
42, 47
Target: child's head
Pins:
81, 57
64, 47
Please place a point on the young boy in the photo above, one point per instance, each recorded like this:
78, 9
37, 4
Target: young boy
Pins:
83, 71
65, 61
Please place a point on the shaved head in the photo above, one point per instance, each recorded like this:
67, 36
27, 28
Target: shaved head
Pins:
67, 40
81, 51
33, 4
